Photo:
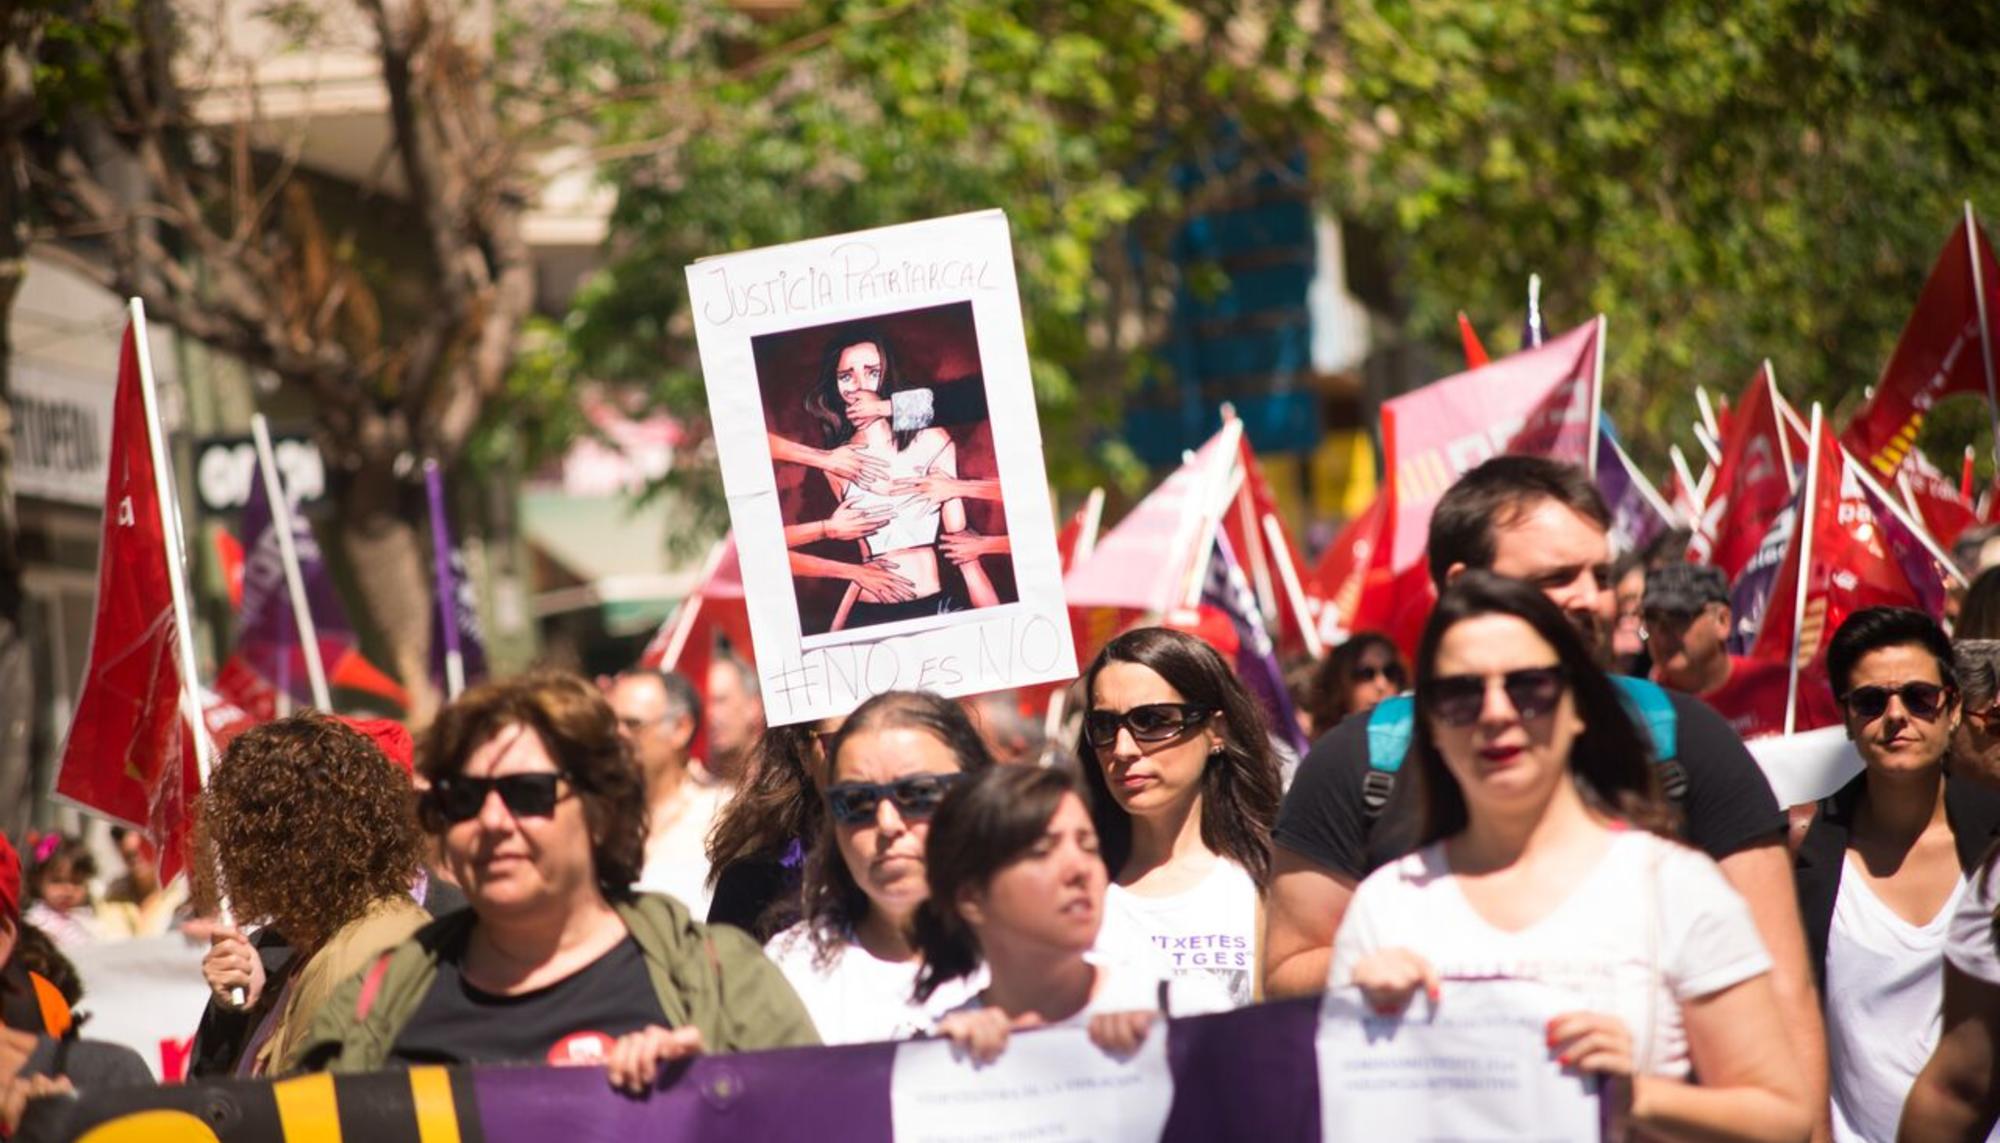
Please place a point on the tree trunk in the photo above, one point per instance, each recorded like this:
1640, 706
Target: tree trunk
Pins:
386, 549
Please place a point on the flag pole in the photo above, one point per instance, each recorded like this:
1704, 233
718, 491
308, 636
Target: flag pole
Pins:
447, 584
1805, 570
1093, 520
1596, 428
1707, 408
1212, 495
1294, 593
1709, 445
1985, 329
170, 534
1779, 408
170, 527
288, 552
1686, 476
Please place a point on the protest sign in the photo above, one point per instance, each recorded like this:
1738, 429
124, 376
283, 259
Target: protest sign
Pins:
147, 994
1476, 1066
1049, 1085
875, 427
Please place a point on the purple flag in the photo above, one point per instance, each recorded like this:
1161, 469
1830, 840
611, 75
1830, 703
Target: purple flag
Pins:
455, 621
1228, 590
1751, 593
267, 636
1638, 515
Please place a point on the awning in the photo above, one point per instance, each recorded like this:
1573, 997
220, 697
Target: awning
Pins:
607, 552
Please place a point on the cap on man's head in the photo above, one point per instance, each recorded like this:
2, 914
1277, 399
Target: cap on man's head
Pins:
1683, 589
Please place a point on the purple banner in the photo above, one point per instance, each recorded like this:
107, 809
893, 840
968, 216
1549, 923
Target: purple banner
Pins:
1636, 519
1228, 590
1248, 1074
455, 622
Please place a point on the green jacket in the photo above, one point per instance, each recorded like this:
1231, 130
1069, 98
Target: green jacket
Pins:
715, 979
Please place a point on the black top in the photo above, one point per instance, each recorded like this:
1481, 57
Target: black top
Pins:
757, 894
571, 1021
1972, 810
1727, 807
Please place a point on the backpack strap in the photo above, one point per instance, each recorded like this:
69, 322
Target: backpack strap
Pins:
1650, 704
1390, 727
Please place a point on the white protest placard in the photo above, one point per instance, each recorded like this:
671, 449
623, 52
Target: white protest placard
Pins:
876, 430
1808, 766
1050, 1086
1477, 1067
147, 994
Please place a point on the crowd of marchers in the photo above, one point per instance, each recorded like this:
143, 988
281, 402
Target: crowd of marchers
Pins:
549, 874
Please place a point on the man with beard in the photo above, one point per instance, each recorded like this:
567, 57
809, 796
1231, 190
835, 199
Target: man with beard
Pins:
1544, 522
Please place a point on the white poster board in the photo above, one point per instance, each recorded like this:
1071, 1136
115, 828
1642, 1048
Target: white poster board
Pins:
147, 994
1808, 766
1477, 1067
1049, 1086
956, 586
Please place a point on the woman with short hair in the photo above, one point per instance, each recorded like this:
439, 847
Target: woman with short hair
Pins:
1017, 889
541, 813
851, 958
1544, 857
1886, 861
1184, 792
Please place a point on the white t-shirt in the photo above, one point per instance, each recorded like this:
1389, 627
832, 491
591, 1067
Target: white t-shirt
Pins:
677, 849
1208, 929
857, 998
1970, 946
1652, 926
1126, 985
1883, 988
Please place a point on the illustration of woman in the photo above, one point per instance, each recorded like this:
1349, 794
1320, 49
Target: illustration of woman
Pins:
888, 485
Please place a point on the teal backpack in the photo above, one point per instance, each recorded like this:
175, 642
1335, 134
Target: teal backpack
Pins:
1392, 721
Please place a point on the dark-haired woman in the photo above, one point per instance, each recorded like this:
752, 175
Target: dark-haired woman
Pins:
1353, 677
313, 832
539, 806
1884, 864
897, 525
1017, 887
850, 959
757, 850
1540, 861
1184, 792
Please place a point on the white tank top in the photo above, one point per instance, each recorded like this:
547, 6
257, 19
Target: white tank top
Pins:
913, 520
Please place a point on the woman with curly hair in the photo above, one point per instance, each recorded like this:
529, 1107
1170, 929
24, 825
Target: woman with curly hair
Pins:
851, 958
1184, 792
312, 831
757, 850
542, 815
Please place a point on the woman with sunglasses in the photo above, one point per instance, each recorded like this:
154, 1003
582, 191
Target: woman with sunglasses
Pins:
851, 959
1017, 900
1184, 792
1353, 678
1886, 861
540, 809
1541, 859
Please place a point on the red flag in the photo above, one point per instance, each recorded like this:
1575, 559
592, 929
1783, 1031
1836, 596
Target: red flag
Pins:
1943, 508
130, 754
1752, 484
1244, 523
1475, 353
716, 606
1939, 354
1851, 568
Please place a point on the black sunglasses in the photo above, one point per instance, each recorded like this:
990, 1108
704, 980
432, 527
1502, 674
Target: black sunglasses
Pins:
915, 796
1922, 700
1366, 673
1152, 722
1456, 700
459, 798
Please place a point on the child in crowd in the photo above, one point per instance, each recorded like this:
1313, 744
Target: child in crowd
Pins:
59, 889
